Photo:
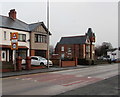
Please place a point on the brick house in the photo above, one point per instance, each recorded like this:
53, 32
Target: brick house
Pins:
31, 37
81, 47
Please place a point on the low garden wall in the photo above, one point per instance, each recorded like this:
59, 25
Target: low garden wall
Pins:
68, 63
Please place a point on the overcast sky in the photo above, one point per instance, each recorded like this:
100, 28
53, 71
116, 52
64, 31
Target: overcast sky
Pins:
71, 18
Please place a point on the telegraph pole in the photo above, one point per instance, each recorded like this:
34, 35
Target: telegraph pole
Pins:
48, 33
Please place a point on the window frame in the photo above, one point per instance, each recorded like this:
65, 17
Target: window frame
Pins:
22, 37
62, 48
39, 38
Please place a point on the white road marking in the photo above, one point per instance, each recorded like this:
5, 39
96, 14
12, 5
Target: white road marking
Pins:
89, 77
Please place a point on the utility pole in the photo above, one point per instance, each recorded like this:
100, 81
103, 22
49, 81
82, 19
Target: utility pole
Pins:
48, 33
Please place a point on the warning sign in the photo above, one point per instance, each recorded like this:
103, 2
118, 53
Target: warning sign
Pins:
14, 46
14, 41
14, 35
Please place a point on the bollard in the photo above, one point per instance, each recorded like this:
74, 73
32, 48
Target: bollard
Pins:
28, 63
18, 63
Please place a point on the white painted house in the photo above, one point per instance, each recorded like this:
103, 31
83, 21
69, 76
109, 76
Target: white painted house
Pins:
8, 25
115, 54
32, 38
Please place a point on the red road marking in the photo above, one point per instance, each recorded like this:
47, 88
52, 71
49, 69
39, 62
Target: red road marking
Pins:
84, 81
58, 78
64, 80
73, 83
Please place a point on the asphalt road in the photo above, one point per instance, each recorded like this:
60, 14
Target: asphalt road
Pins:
55, 83
105, 87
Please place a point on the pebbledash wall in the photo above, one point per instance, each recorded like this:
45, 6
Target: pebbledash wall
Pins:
5, 43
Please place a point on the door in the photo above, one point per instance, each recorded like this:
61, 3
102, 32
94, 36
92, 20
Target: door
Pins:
3, 55
35, 61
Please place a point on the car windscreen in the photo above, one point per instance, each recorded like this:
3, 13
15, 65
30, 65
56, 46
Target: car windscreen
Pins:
42, 58
34, 58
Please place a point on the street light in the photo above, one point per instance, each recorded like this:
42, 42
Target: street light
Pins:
48, 33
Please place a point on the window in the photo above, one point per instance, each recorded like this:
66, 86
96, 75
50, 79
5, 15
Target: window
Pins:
21, 53
40, 38
34, 58
62, 48
3, 55
69, 50
62, 56
41, 53
87, 48
22, 37
4, 35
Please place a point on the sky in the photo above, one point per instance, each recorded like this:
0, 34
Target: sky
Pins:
70, 18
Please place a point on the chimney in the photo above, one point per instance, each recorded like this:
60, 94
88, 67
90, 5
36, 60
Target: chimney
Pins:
12, 14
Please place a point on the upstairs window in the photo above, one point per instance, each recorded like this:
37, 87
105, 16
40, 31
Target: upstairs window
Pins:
40, 38
69, 50
62, 48
22, 37
87, 48
4, 35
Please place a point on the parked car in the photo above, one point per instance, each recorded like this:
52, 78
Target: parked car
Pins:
38, 60
103, 58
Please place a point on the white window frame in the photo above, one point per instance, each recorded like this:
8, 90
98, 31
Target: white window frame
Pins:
62, 48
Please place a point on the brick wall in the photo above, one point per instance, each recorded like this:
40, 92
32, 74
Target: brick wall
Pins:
77, 51
32, 52
68, 63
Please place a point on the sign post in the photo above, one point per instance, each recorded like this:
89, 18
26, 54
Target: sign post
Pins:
14, 46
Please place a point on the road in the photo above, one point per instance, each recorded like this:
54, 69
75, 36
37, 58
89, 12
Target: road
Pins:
54, 83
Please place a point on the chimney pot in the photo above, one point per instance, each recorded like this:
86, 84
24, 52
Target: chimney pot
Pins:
12, 14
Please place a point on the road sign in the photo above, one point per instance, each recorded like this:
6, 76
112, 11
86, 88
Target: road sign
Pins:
14, 35
14, 46
14, 41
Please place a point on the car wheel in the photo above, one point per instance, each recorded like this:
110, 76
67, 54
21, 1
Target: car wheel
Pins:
42, 64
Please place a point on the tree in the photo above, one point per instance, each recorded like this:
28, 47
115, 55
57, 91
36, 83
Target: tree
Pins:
102, 50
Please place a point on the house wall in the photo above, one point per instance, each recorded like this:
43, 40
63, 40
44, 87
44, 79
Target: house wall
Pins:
76, 50
6, 43
40, 46
117, 52
81, 51
36, 46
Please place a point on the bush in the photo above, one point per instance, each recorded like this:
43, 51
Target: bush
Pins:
85, 62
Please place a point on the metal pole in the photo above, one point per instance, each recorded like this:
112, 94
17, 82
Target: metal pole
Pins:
14, 59
48, 33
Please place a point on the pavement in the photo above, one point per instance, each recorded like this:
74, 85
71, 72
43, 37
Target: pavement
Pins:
51, 69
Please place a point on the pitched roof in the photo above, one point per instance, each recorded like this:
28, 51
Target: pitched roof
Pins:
34, 25
7, 22
73, 40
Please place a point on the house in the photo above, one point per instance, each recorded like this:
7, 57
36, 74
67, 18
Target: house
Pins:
114, 53
38, 39
31, 37
81, 47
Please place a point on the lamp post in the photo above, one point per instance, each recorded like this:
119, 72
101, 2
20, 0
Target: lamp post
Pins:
48, 33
